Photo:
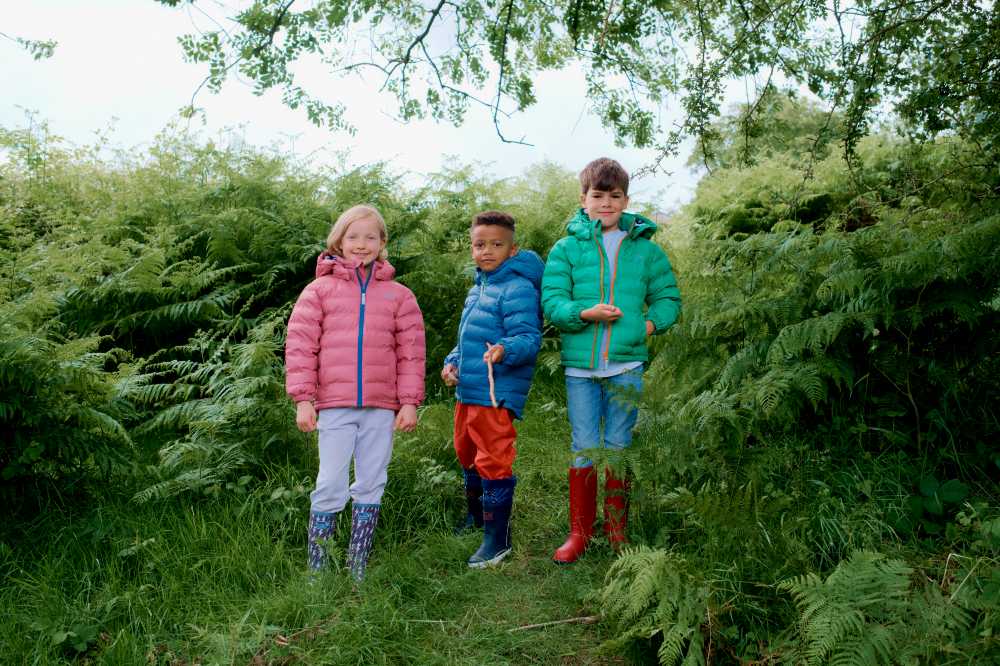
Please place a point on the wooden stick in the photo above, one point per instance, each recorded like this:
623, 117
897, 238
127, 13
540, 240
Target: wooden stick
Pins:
489, 373
585, 619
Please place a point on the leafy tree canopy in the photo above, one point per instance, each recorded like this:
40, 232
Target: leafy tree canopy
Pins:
781, 124
934, 62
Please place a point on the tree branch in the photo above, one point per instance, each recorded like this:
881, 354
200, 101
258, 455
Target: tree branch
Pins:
418, 40
275, 26
503, 67
445, 86
265, 43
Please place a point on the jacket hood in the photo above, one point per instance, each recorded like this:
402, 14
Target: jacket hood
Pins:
338, 267
634, 224
525, 263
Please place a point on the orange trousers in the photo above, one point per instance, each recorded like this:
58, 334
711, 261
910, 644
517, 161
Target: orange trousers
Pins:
484, 439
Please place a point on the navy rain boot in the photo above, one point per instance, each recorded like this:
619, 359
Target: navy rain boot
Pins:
498, 498
364, 518
321, 526
473, 502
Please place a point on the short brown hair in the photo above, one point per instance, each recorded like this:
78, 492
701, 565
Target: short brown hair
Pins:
349, 216
497, 217
603, 174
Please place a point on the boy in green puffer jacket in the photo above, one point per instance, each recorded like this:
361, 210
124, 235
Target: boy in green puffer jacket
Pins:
607, 287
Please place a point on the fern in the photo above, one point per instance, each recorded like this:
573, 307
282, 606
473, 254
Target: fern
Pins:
812, 335
867, 612
741, 365
649, 593
58, 413
844, 285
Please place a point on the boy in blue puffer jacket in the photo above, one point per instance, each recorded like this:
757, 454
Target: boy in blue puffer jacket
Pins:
499, 335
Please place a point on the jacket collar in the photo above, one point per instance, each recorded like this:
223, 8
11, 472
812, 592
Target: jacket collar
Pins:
338, 267
525, 263
635, 225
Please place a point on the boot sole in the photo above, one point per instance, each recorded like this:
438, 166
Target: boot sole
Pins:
488, 563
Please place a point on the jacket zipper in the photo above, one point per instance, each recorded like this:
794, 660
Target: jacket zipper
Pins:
461, 328
611, 298
361, 324
597, 324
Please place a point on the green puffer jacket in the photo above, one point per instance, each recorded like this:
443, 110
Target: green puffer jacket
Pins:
578, 276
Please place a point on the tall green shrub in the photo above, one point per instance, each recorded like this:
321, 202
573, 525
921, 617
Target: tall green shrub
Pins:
836, 356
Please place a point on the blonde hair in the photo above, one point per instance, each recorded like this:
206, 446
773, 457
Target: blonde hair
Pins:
346, 219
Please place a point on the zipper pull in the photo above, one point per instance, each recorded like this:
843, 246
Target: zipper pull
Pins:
363, 298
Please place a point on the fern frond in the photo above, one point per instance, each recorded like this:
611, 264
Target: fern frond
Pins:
146, 274
159, 394
672, 648
843, 286
771, 389
179, 416
740, 365
650, 591
856, 615
102, 423
813, 335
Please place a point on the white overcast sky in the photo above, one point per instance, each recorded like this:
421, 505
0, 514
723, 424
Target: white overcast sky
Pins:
118, 64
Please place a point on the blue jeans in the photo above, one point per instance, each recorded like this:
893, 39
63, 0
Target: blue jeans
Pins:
611, 400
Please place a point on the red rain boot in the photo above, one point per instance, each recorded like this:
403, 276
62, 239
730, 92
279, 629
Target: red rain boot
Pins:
616, 509
582, 511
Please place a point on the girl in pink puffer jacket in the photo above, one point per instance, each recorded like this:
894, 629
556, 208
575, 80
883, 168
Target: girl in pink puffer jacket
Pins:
354, 365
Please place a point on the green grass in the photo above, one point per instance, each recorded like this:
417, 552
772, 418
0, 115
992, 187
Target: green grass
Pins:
221, 580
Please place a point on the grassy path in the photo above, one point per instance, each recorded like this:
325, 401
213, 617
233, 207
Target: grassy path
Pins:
221, 580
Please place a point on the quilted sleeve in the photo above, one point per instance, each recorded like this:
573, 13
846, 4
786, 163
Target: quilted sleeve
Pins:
410, 351
305, 328
451, 358
662, 295
522, 324
557, 292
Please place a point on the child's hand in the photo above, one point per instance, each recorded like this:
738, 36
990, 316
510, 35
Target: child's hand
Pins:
650, 328
305, 416
601, 312
494, 353
450, 375
406, 418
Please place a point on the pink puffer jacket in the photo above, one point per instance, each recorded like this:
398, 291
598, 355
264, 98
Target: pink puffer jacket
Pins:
355, 342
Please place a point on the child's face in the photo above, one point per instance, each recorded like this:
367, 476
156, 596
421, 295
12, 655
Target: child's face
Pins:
605, 206
492, 244
363, 241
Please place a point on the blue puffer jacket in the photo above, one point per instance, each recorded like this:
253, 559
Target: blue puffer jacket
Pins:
502, 308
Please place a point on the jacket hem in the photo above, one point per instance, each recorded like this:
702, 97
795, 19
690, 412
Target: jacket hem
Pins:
585, 365
486, 403
380, 404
